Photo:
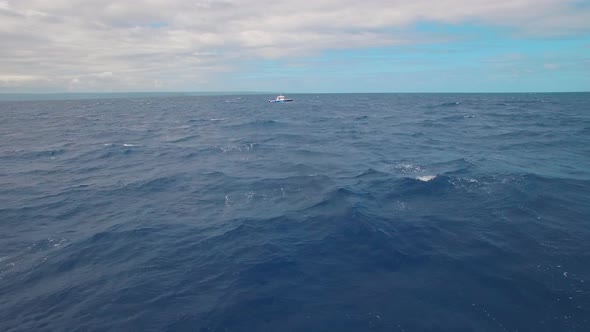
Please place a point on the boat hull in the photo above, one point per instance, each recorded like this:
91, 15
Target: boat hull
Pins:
280, 101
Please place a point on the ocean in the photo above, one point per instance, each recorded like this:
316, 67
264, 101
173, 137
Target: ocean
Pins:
336, 212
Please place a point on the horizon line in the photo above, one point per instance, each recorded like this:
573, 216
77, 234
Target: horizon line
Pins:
37, 96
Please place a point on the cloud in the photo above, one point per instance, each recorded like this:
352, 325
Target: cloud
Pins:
187, 44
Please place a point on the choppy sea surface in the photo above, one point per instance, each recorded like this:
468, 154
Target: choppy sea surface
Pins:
352, 212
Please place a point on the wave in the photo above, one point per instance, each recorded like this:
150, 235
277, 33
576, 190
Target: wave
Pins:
199, 152
313, 153
517, 133
409, 168
246, 147
457, 117
319, 216
40, 153
426, 178
180, 139
453, 166
445, 105
94, 157
388, 186
529, 101
259, 124
196, 120
300, 168
287, 137
371, 173
159, 184
450, 104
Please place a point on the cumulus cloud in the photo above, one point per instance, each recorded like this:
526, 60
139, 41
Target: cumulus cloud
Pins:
178, 44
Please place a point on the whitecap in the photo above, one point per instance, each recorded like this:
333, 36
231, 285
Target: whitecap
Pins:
130, 145
409, 168
426, 178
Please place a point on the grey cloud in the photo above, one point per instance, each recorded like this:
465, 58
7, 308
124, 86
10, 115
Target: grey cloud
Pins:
182, 44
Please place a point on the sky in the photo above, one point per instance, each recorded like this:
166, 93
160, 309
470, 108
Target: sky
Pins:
295, 46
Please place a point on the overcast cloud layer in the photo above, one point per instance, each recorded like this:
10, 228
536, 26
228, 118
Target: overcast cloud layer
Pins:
92, 45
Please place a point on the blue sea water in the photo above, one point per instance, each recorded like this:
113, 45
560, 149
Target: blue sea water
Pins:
352, 212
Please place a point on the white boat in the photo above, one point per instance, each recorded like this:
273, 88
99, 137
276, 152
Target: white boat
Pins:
280, 99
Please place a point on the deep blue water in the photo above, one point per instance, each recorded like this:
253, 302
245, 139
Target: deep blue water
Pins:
392, 212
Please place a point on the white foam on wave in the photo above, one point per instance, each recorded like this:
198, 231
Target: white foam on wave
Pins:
57, 242
409, 168
220, 119
241, 148
127, 145
426, 178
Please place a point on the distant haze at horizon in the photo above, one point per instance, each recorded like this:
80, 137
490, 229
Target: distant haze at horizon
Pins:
328, 46
7, 97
